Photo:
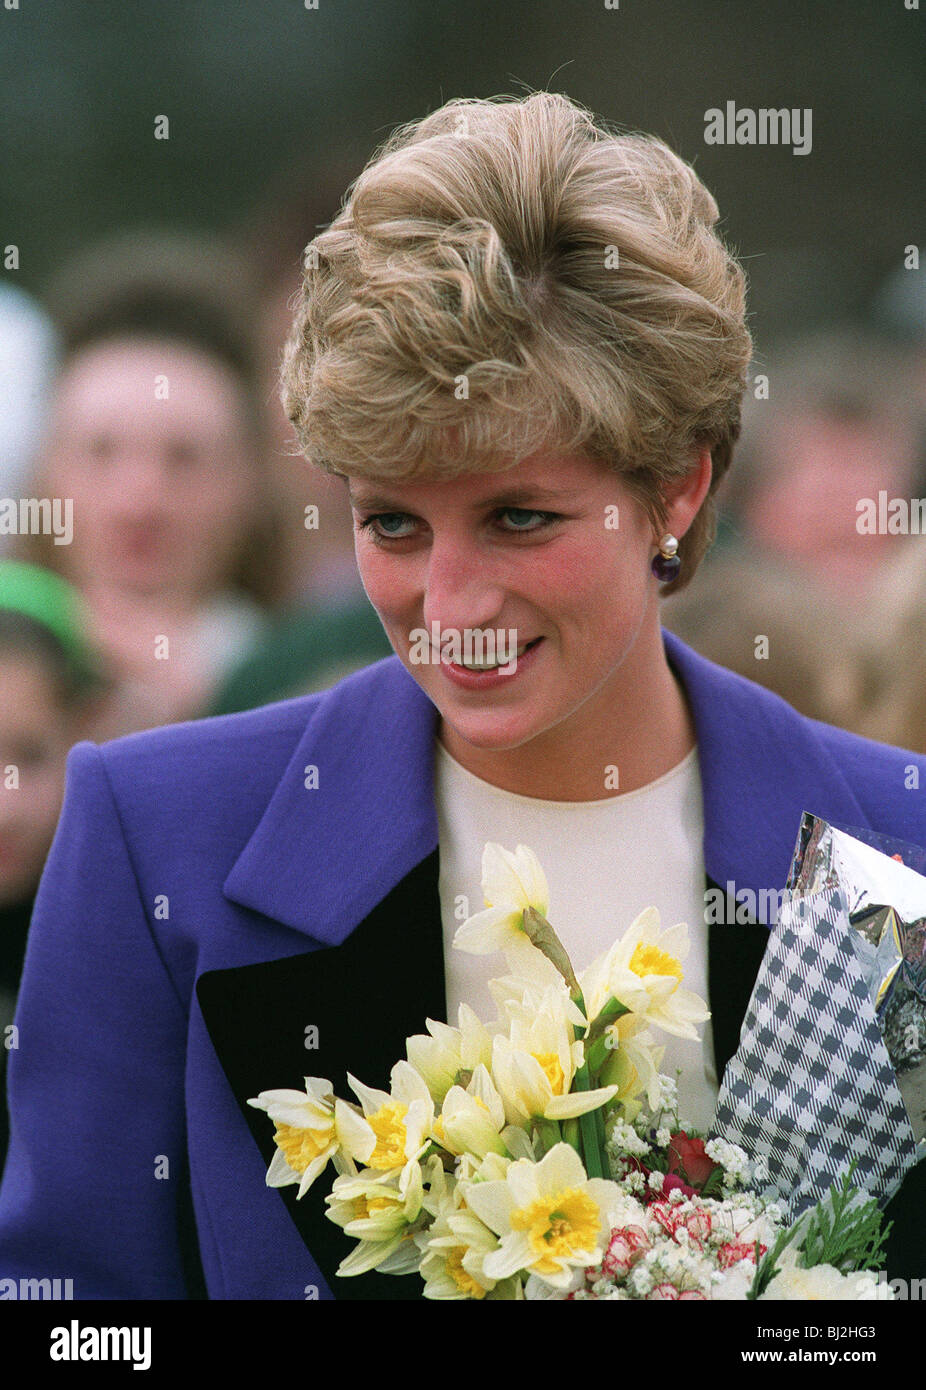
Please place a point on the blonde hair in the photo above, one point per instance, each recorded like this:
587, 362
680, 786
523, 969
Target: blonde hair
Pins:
569, 276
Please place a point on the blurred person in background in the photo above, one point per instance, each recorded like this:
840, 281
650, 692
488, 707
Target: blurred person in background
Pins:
757, 617
316, 567
156, 434
891, 631
49, 684
783, 601
840, 424
898, 313
890, 636
329, 627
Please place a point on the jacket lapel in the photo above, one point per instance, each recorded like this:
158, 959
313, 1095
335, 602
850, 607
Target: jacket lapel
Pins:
366, 798
325, 1013
373, 970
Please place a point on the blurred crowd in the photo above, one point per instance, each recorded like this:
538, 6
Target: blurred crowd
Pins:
204, 569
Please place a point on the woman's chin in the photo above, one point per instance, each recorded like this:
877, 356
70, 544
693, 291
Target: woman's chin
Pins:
495, 732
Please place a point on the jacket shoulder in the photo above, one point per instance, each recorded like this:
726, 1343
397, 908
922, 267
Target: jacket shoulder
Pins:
887, 781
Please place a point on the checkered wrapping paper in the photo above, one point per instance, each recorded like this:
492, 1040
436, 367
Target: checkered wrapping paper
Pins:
811, 1086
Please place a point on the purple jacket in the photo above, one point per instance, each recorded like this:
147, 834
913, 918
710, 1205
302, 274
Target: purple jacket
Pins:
203, 905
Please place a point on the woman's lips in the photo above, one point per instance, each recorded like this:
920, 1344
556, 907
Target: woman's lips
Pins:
470, 678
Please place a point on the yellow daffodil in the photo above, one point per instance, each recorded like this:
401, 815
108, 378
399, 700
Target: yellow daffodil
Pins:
313, 1128
441, 1054
401, 1121
453, 1253
456, 1242
643, 970
510, 883
382, 1213
534, 1065
549, 1217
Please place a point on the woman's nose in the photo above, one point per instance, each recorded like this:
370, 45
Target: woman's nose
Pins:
462, 590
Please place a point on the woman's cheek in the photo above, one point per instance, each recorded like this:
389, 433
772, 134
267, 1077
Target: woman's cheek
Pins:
378, 577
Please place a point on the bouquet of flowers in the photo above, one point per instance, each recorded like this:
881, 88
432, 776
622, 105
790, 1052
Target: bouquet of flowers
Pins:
542, 1156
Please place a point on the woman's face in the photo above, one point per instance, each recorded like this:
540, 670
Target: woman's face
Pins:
820, 467
149, 439
555, 548
35, 735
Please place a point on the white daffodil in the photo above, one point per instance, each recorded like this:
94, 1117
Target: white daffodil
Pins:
550, 1218
313, 1127
534, 1066
453, 1253
471, 1120
401, 1121
454, 1246
493, 1166
523, 996
510, 883
441, 1054
382, 1213
539, 1291
643, 970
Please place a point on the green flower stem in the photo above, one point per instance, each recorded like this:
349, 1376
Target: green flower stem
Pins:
591, 1150
596, 1054
588, 1125
572, 1135
612, 1011
600, 1128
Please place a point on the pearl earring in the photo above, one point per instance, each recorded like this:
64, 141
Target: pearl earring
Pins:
666, 564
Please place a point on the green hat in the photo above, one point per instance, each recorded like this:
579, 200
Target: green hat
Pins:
51, 601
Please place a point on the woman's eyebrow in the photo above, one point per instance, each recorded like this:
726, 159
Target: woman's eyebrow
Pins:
513, 497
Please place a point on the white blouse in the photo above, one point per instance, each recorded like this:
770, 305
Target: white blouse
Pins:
604, 862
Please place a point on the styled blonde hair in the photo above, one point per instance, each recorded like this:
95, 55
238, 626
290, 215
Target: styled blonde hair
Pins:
506, 276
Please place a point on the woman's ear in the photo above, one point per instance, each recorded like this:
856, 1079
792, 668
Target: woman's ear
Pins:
684, 497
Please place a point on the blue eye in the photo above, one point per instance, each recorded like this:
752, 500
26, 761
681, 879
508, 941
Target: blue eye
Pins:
377, 528
523, 512
382, 527
387, 517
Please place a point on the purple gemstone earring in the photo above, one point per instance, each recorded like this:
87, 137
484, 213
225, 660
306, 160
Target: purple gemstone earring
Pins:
666, 564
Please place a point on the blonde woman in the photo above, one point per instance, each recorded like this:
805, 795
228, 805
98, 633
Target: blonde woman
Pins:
522, 346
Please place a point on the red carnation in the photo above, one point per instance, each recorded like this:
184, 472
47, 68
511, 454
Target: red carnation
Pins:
736, 1250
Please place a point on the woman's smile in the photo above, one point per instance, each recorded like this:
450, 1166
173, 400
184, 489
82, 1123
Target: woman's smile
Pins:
487, 676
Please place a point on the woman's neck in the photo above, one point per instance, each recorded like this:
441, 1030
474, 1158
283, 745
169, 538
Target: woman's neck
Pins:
631, 732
